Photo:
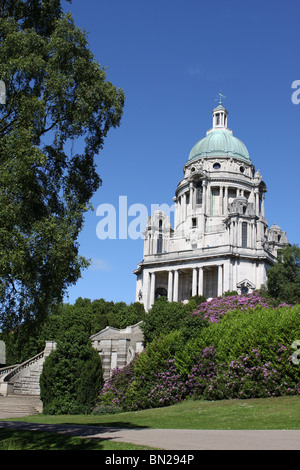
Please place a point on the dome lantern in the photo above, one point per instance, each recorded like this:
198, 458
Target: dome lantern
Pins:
220, 115
219, 140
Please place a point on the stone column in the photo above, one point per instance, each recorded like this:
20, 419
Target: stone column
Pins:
176, 284
208, 200
191, 206
193, 199
184, 207
200, 281
226, 276
252, 235
234, 272
221, 200
146, 289
256, 196
226, 201
239, 243
204, 203
220, 279
233, 228
194, 284
152, 289
170, 286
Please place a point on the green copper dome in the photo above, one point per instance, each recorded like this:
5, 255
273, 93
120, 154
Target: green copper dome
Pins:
219, 143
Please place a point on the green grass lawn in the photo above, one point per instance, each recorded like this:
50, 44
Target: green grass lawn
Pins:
268, 413
36, 440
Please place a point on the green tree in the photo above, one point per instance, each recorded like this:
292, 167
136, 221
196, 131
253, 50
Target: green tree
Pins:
165, 317
283, 281
72, 375
123, 315
56, 94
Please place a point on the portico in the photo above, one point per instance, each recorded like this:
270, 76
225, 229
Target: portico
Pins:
180, 283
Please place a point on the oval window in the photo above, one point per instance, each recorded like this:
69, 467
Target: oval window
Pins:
216, 166
242, 169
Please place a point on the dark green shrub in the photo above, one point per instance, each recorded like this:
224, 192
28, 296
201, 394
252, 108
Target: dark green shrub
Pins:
165, 316
71, 377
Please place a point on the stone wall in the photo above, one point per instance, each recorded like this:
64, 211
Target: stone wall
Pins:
117, 347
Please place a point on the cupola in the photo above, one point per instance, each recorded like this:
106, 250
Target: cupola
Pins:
219, 140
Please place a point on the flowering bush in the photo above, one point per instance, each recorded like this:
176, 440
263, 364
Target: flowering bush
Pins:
113, 393
168, 387
202, 373
249, 376
246, 355
214, 309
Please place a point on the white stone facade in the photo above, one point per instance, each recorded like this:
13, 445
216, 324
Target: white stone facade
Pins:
221, 240
117, 347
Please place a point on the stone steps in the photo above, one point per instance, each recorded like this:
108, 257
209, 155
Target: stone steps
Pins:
28, 384
13, 406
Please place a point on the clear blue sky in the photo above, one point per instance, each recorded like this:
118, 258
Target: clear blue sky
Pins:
172, 57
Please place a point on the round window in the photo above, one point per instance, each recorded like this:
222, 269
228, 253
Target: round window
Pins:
242, 169
216, 166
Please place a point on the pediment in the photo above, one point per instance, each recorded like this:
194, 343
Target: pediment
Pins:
245, 283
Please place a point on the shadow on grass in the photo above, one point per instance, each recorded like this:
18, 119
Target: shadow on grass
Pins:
36, 440
59, 437
70, 429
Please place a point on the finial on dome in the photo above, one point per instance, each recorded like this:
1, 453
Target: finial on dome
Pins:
220, 98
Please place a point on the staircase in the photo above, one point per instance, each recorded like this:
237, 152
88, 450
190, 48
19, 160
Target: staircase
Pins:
24, 379
29, 384
17, 406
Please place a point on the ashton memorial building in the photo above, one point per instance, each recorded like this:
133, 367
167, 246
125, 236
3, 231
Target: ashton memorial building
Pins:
221, 240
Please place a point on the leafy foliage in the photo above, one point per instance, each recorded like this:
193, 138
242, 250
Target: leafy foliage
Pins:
71, 376
165, 317
243, 353
284, 277
56, 94
90, 317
